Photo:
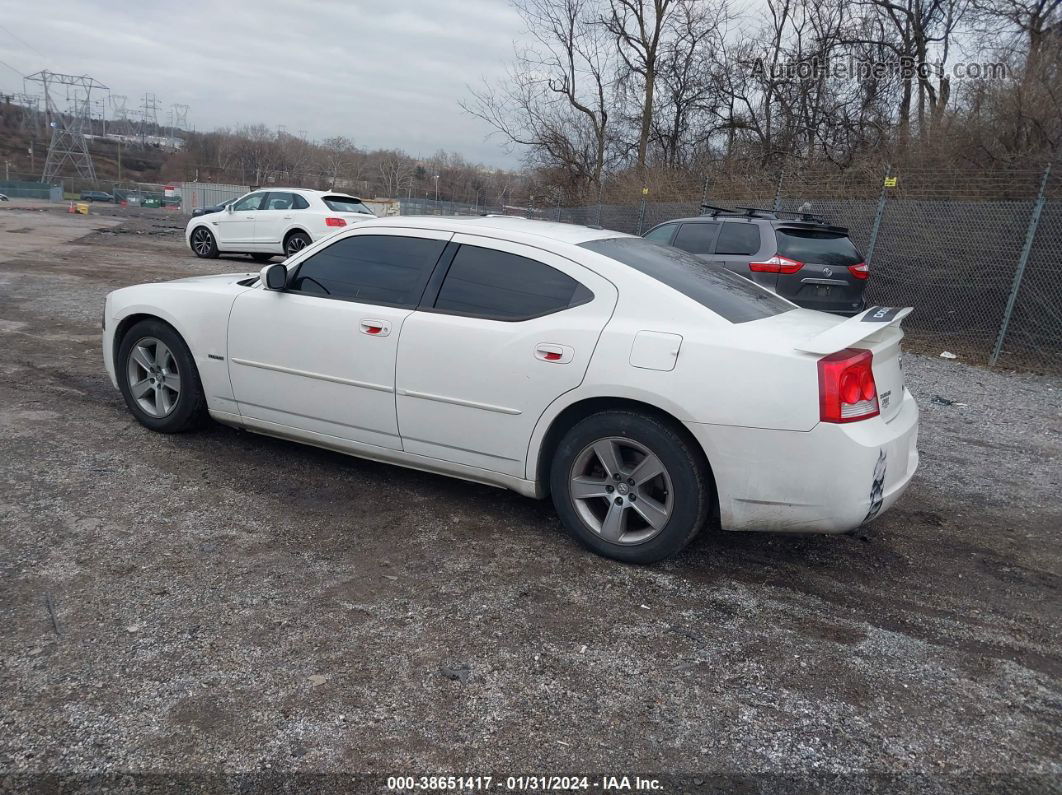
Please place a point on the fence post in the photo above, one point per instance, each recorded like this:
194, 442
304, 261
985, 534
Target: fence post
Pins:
641, 210
1030, 235
877, 219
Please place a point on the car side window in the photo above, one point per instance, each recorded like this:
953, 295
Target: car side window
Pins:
299, 203
252, 202
696, 238
279, 201
487, 283
662, 234
738, 238
371, 269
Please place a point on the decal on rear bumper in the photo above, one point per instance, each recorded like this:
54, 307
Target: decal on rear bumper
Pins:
877, 488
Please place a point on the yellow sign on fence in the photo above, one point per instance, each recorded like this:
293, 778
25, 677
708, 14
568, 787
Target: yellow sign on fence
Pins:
890, 182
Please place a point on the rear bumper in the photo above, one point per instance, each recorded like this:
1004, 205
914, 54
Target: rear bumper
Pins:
831, 479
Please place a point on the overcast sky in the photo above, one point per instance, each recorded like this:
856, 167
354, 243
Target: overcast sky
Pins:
386, 73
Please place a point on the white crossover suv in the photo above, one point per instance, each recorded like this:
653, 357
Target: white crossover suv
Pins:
266, 223
648, 392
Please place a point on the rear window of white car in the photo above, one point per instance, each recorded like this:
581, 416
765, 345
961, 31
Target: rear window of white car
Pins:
730, 296
346, 204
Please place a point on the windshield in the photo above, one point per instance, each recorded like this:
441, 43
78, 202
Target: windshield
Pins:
733, 297
346, 204
819, 247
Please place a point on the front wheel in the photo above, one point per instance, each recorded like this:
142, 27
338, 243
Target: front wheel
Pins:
629, 486
158, 378
295, 243
203, 243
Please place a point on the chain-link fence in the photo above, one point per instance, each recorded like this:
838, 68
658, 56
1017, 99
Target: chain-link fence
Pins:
976, 254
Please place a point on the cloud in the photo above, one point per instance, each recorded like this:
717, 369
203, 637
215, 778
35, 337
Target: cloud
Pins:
386, 74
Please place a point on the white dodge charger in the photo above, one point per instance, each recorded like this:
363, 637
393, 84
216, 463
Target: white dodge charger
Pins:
647, 392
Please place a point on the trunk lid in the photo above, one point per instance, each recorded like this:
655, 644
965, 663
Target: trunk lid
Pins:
825, 281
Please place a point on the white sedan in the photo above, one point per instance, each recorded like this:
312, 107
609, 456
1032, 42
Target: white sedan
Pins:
266, 223
647, 392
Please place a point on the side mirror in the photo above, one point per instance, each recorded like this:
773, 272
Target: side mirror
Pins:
228, 207
274, 277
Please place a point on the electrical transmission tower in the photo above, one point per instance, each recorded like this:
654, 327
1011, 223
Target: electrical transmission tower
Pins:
149, 116
68, 144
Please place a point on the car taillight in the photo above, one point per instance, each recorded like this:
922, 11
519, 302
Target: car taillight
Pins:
860, 271
847, 391
776, 264
335, 222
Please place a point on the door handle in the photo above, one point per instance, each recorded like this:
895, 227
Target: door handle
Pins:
287, 217
553, 353
375, 328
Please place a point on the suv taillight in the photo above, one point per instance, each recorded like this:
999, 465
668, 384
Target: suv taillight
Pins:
335, 222
776, 264
847, 391
860, 271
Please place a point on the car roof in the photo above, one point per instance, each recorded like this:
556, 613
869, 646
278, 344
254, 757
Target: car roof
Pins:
565, 233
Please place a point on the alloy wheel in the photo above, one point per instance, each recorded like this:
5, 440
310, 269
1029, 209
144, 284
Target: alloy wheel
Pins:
295, 244
153, 377
202, 242
621, 490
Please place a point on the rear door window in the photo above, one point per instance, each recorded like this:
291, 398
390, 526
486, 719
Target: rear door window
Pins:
371, 269
486, 283
820, 247
738, 238
730, 296
696, 238
279, 201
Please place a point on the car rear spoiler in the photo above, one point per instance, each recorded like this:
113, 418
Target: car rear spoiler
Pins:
853, 330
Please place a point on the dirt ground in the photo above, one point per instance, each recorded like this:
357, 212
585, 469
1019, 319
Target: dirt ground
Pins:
222, 603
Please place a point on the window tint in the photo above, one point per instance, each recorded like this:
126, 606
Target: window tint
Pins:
374, 269
251, 202
279, 201
662, 234
730, 296
818, 246
346, 204
299, 203
493, 284
696, 238
738, 238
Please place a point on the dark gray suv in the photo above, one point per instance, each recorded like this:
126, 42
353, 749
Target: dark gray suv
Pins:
806, 260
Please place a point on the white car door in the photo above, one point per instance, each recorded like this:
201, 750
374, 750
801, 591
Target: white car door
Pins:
236, 228
274, 219
512, 328
320, 356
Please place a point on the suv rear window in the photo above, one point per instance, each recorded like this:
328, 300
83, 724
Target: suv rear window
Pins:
817, 246
346, 204
730, 296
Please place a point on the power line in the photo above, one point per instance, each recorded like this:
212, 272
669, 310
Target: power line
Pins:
23, 42
13, 69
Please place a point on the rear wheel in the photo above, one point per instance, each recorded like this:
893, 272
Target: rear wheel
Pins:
203, 243
158, 378
629, 486
295, 243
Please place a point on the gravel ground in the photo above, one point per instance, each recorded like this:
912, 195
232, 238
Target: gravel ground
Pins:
222, 604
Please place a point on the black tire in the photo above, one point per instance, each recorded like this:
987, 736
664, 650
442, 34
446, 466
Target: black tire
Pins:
690, 485
203, 243
262, 257
188, 408
296, 242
